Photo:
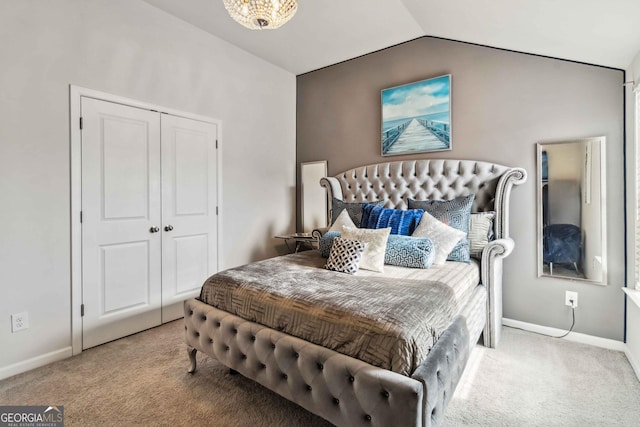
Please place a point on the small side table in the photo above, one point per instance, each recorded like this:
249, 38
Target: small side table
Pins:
300, 239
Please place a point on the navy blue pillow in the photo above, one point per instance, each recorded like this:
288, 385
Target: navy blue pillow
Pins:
402, 222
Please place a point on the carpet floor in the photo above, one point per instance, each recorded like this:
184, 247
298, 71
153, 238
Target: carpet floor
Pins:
142, 380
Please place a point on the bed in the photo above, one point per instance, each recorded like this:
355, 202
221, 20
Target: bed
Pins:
349, 385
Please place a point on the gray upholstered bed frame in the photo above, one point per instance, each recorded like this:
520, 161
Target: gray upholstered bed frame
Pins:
347, 391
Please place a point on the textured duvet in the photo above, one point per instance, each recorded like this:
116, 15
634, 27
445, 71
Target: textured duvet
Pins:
390, 320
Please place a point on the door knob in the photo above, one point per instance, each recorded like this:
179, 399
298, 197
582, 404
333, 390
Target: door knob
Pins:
154, 230
168, 228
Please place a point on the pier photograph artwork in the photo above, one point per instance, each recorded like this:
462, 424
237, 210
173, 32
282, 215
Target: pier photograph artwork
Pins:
416, 117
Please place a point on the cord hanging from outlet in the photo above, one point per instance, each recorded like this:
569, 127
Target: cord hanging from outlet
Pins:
573, 323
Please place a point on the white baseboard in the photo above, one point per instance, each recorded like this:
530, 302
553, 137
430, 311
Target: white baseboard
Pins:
35, 362
573, 336
633, 362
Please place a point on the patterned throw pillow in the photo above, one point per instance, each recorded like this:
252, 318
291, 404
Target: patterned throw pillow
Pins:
345, 256
353, 209
326, 242
480, 232
376, 240
403, 251
455, 213
443, 236
412, 252
401, 221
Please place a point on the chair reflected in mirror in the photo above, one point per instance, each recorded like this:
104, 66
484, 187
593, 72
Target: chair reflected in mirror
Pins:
562, 246
561, 237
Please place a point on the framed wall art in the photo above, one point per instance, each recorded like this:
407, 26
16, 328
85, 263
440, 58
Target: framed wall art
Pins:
416, 117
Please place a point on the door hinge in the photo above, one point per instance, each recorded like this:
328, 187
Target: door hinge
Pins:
81, 217
216, 210
80, 122
216, 144
82, 310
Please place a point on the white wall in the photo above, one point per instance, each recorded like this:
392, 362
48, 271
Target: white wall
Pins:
131, 49
633, 310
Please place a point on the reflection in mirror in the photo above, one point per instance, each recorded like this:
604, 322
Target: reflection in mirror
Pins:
571, 210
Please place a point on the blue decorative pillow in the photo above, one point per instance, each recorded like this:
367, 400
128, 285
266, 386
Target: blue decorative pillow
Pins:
402, 222
455, 213
461, 252
353, 209
326, 242
412, 252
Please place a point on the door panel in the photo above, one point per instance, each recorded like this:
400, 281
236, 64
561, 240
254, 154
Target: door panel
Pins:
189, 198
191, 180
125, 276
125, 168
120, 204
192, 253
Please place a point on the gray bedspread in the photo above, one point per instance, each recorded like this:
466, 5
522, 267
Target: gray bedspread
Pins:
390, 320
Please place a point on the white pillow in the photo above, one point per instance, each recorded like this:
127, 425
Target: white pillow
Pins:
480, 232
342, 220
376, 240
443, 236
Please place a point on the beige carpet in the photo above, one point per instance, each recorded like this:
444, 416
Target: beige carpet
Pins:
142, 380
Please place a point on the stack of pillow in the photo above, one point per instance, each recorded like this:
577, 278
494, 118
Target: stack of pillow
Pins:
368, 235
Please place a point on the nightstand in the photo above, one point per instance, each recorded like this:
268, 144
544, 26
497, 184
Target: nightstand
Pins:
300, 240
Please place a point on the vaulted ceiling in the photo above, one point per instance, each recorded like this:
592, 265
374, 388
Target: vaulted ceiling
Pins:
325, 32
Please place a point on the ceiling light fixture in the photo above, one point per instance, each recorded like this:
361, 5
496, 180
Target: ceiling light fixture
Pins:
261, 14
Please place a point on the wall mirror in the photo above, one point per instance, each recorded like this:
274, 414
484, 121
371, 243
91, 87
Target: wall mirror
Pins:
571, 210
314, 196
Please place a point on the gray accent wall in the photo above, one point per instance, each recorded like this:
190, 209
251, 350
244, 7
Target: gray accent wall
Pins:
502, 104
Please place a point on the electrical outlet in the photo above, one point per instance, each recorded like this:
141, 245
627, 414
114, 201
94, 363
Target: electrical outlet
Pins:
19, 321
571, 299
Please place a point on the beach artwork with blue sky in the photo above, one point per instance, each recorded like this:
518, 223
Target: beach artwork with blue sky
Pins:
416, 117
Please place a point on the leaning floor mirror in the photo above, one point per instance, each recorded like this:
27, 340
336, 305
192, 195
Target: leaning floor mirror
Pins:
314, 196
571, 210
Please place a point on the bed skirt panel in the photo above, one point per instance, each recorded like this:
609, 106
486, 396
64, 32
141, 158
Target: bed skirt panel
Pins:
475, 313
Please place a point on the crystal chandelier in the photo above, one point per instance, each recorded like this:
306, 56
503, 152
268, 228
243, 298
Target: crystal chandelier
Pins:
261, 14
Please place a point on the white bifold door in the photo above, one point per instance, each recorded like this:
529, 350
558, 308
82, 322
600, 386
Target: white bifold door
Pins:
149, 226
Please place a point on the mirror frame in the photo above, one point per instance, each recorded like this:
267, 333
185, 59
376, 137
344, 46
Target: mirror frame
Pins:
312, 193
603, 209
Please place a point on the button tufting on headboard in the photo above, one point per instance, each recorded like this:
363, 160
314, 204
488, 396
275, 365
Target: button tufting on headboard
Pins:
395, 182
422, 179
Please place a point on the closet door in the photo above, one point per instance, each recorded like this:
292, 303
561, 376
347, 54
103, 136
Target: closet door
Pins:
189, 199
121, 237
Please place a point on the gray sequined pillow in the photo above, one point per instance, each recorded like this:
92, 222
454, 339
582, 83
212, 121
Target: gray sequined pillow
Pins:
354, 210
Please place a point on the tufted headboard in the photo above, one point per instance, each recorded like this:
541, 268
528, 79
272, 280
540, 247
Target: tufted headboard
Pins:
395, 182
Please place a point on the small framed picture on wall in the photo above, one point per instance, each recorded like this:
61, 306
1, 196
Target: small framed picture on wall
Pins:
416, 117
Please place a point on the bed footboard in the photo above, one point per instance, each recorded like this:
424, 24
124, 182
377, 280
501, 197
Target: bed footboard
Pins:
339, 388
442, 370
